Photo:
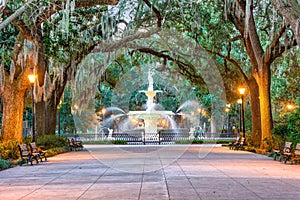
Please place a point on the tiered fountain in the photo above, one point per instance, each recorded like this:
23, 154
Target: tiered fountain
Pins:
150, 115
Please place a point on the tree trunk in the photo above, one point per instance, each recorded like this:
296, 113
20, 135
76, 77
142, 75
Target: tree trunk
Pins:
213, 124
13, 110
40, 105
51, 109
264, 82
255, 108
40, 118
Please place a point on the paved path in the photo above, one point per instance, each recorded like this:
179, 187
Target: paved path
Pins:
153, 172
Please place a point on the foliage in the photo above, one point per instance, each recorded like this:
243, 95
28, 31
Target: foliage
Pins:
9, 150
66, 117
98, 142
52, 141
293, 127
5, 164
251, 139
281, 130
285, 84
289, 129
197, 141
119, 142
200, 20
57, 150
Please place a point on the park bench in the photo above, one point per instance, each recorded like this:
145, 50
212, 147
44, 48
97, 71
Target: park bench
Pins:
279, 153
292, 155
232, 145
240, 144
295, 157
41, 150
286, 152
74, 145
26, 155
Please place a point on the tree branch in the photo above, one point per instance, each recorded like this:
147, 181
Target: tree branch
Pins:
14, 15
235, 63
275, 42
109, 47
181, 65
157, 13
290, 13
53, 8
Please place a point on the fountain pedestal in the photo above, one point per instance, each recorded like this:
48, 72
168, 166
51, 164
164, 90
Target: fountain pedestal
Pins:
150, 116
150, 121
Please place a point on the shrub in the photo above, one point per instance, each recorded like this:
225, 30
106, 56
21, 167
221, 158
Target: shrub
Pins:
57, 150
281, 130
4, 164
98, 142
52, 141
224, 141
119, 142
9, 150
197, 141
194, 141
274, 142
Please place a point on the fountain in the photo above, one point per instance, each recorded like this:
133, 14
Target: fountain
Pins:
150, 116
146, 124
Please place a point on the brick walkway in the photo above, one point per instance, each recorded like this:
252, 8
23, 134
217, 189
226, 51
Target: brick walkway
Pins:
153, 172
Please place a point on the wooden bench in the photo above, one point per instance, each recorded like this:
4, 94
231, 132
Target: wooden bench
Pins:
232, 145
26, 155
292, 155
281, 153
74, 145
241, 144
295, 157
41, 150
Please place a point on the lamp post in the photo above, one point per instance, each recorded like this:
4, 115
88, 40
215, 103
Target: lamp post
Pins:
227, 110
242, 91
239, 101
31, 78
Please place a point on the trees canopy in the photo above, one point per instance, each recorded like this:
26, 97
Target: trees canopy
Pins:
57, 36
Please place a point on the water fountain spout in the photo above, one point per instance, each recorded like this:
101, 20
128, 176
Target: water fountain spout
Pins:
150, 116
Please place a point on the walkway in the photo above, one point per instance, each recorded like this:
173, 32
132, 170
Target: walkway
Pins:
153, 172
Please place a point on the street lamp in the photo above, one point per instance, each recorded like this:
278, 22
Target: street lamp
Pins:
242, 91
239, 101
290, 106
227, 109
32, 78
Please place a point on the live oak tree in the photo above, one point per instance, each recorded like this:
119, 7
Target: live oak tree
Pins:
222, 40
40, 40
262, 48
63, 42
27, 52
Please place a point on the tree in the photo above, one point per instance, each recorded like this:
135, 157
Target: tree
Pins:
262, 50
27, 52
219, 37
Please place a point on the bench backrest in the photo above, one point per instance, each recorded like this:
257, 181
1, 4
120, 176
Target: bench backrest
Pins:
242, 141
33, 147
69, 140
297, 149
23, 150
287, 147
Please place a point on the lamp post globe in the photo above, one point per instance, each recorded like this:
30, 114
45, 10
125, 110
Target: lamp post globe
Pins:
242, 91
32, 78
